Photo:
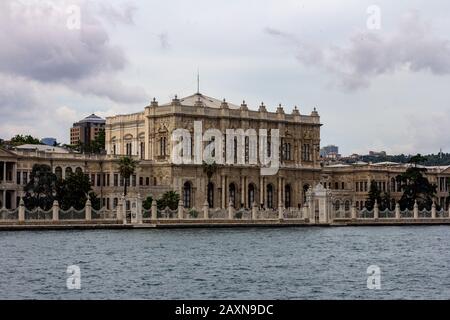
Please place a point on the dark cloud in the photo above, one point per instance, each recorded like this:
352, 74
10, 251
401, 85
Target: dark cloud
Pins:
412, 46
38, 45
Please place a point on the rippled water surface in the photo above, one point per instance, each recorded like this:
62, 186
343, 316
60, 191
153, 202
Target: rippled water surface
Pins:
287, 263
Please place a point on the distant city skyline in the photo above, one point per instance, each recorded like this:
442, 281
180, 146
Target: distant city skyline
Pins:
375, 89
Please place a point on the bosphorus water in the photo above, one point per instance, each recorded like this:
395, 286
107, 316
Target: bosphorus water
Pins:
255, 263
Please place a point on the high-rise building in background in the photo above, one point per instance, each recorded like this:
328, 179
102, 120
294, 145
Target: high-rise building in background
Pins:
330, 152
49, 141
86, 130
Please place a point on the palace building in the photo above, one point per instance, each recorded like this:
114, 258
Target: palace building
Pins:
147, 137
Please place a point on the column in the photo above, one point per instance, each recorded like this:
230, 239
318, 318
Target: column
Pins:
4, 171
224, 203
4, 198
243, 191
261, 190
279, 191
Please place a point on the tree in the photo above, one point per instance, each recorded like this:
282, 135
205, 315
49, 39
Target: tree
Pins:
169, 199
374, 195
209, 168
147, 204
74, 190
415, 186
41, 189
98, 144
127, 166
19, 140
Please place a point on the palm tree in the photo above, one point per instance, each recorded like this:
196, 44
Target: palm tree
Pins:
209, 168
127, 166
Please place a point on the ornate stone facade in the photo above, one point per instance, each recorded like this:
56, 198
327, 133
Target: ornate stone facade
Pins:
146, 136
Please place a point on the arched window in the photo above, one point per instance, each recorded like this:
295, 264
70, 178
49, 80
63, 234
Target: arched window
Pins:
287, 196
187, 194
68, 171
232, 193
251, 194
78, 170
269, 196
211, 195
129, 149
337, 205
58, 173
347, 205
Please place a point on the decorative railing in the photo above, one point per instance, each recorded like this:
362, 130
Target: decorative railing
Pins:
102, 214
365, 214
72, 214
267, 214
38, 214
167, 213
9, 214
425, 213
218, 213
293, 213
386, 214
406, 213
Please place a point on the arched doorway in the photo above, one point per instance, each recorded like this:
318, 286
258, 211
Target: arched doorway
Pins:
78, 170
68, 171
269, 196
251, 194
187, 194
232, 194
287, 196
211, 195
58, 173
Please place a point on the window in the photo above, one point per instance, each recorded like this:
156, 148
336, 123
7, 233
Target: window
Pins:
25, 178
18, 177
343, 185
115, 203
147, 181
357, 186
269, 196
347, 205
133, 180
211, 195
141, 181
306, 152
162, 146
99, 176
247, 149
251, 194
93, 179
336, 186
232, 194
58, 173
116, 180
114, 149
287, 196
129, 149
187, 191
107, 180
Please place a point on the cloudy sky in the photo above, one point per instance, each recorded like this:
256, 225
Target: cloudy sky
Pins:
378, 84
